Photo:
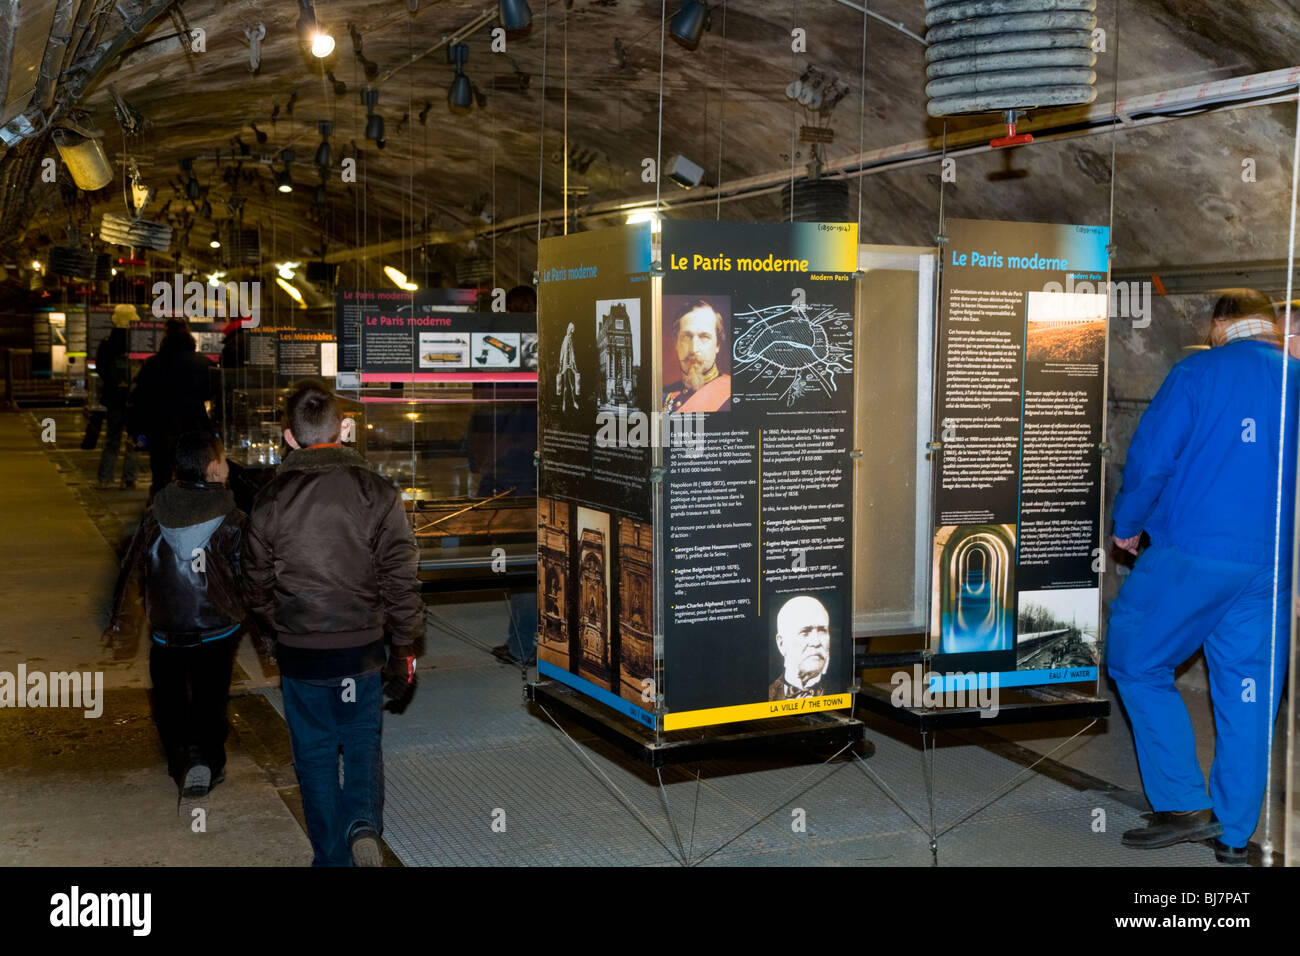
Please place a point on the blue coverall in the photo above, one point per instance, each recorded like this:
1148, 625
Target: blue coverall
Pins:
1202, 478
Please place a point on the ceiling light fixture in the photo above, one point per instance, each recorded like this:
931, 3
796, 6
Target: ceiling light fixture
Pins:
515, 15
286, 269
310, 34
399, 279
291, 291
646, 215
322, 45
460, 95
374, 122
215, 241
689, 23
284, 179
324, 155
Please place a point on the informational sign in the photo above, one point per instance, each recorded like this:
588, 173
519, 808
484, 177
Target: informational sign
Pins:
262, 344
144, 336
596, 435
384, 310
303, 353
696, 470
758, 356
1018, 413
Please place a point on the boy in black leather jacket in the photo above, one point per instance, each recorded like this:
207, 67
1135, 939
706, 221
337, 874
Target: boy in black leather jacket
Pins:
187, 553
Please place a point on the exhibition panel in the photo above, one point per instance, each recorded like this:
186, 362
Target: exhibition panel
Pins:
696, 469
1019, 411
598, 606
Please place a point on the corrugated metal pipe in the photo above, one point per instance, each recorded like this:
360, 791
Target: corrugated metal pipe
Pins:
986, 55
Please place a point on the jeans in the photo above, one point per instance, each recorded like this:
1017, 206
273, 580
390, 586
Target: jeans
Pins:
1173, 604
326, 718
190, 688
108, 457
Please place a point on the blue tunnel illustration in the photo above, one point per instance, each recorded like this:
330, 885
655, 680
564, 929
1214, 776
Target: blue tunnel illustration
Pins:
977, 597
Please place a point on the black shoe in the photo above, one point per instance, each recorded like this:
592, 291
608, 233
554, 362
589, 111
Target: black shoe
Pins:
1166, 828
502, 653
1232, 855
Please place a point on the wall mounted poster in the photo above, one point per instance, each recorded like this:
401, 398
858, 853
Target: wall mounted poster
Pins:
1019, 412
757, 360
595, 580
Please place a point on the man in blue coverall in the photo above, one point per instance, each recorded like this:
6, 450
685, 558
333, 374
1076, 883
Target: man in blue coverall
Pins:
1202, 479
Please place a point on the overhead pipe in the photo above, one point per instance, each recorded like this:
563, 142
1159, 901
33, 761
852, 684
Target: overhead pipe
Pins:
893, 23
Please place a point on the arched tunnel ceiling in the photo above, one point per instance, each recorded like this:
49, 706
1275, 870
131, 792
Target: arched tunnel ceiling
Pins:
593, 66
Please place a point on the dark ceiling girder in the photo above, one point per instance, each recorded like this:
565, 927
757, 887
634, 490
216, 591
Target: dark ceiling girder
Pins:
8, 30
56, 47
99, 62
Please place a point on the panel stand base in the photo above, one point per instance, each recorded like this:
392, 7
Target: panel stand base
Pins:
818, 733
1040, 704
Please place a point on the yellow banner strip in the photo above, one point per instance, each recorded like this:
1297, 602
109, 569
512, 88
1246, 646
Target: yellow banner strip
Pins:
761, 711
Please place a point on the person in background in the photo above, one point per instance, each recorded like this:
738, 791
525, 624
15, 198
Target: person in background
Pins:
186, 553
113, 366
234, 356
170, 398
332, 567
1202, 478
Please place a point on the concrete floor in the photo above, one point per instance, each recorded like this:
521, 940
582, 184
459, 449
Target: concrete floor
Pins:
470, 753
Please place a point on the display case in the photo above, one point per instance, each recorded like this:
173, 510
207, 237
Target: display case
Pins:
461, 456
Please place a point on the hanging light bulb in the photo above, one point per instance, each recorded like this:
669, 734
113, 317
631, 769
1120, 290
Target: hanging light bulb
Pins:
460, 95
310, 33
215, 241
284, 180
322, 45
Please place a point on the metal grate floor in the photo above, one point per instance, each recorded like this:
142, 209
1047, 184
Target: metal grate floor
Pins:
474, 779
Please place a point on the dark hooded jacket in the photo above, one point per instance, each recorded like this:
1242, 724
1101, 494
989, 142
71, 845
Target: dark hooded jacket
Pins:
331, 565
188, 552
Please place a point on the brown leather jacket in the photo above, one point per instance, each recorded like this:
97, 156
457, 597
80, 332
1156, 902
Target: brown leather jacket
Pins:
330, 558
